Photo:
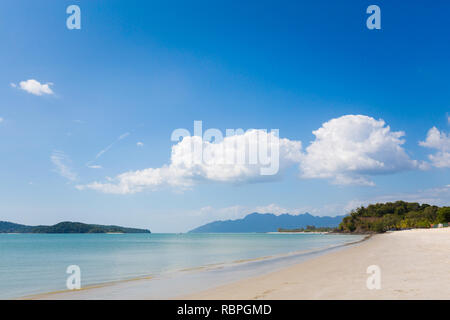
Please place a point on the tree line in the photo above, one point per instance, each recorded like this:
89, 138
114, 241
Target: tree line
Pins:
397, 215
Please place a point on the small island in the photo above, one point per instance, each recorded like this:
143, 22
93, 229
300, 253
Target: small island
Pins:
66, 227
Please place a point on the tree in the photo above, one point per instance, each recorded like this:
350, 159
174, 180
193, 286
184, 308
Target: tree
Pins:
443, 215
381, 217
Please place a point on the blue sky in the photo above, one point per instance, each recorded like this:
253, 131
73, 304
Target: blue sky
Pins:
136, 71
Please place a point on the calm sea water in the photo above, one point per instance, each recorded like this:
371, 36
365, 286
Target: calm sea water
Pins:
36, 263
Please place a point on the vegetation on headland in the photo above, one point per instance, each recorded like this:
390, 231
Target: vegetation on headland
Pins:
398, 215
382, 217
307, 229
66, 227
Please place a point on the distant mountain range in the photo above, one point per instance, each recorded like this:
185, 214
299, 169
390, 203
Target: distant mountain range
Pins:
66, 227
267, 222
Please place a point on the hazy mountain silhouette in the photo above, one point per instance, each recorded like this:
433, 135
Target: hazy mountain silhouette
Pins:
268, 222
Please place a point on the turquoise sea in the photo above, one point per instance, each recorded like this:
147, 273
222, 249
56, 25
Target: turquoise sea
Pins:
37, 263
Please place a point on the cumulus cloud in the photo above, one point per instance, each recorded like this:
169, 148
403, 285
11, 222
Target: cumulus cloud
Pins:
348, 150
351, 148
229, 160
62, 165
140, 144
35, 87
1, 119
441, 142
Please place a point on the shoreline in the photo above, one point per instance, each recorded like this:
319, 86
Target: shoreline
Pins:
299, 232
414, 264
141, 287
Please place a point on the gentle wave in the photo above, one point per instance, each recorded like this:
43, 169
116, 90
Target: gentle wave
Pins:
32, 264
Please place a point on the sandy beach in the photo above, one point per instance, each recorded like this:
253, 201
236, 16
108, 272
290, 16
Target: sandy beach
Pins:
414, 264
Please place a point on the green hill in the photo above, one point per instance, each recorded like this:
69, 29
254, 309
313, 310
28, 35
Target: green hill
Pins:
9, 227
66, 227
398, 215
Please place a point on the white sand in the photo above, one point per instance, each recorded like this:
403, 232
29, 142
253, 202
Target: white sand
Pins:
414, 264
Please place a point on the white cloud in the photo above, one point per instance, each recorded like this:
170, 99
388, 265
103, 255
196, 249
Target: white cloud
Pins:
351, 148
348, 150
184, 171
62, 165
140, 144
441, 142
1, 119
35, 87
95, 166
